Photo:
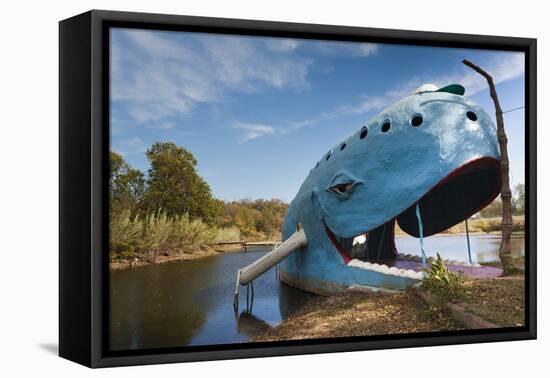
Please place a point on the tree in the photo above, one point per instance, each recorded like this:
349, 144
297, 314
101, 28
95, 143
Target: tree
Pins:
126, 184
519, 199
174, 185
492, 210
260, 219
505, 192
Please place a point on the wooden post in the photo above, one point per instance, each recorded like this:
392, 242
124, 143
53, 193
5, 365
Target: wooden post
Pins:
505, 192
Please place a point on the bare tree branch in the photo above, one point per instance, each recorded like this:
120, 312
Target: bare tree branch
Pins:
505, 192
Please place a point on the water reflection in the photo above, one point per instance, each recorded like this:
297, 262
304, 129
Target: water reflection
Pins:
191, 303
250, 325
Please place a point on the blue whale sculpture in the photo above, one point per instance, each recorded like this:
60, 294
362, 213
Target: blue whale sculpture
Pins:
426, 163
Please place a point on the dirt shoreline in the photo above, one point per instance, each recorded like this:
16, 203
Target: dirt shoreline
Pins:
206, 251
128, 264
499, 300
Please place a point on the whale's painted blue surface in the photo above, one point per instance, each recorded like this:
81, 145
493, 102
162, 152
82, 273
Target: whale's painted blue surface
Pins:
389, 172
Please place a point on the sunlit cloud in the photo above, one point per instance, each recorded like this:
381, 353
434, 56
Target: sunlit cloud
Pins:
503, 68
129, 146
156, 75
253, 130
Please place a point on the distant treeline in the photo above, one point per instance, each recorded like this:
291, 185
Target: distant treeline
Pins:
172, 210
518, 204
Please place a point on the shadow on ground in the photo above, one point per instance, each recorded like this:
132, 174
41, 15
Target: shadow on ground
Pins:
52, 348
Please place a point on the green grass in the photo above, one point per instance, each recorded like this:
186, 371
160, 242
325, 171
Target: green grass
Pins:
156, 234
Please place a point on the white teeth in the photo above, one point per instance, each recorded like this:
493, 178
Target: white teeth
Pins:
361, 239
447, 262
382, 268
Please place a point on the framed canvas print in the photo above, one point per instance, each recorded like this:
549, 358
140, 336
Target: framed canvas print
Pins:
234, 188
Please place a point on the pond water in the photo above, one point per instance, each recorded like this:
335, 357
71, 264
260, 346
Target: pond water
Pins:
191, 302
484, 247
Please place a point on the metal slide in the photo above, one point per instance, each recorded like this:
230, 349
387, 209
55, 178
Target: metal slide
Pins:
250, 272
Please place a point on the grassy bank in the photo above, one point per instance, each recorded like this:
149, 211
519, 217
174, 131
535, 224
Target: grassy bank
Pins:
480, 225
500, 301
119, 264
156, 237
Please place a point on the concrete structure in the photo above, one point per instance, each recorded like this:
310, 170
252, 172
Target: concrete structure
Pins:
435, 149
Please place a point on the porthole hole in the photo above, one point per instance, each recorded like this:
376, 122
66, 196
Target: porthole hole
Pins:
417, 120
386, 125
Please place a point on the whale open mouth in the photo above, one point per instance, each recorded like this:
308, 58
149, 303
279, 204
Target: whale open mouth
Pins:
458, 196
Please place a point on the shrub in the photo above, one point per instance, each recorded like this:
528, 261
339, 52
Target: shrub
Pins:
125, 232
157, 228
157, 233
440, 281
188, 235
227, 234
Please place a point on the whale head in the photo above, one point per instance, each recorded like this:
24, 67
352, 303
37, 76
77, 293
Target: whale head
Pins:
436, 149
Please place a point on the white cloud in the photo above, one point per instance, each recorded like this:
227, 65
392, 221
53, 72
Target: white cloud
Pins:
336, 48
253, 130
505, 67
282, 44
156, 75
366, 49
130, 146
163, 125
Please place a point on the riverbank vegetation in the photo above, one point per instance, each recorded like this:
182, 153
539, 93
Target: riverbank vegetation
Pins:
171, 212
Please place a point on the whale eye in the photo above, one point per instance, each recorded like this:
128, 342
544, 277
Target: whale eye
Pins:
471, 116
417, 120
341, 188
364, 132
386, 125
343, 184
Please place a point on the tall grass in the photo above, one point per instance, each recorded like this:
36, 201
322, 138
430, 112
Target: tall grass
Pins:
125, 234
188, 235
155, 234
227, 234
155, 237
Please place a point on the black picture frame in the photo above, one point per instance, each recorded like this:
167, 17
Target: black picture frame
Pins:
83, 196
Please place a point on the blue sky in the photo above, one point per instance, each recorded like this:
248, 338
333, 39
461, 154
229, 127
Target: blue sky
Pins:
259, 112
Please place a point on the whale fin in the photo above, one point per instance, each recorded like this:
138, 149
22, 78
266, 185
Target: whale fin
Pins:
456, 89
